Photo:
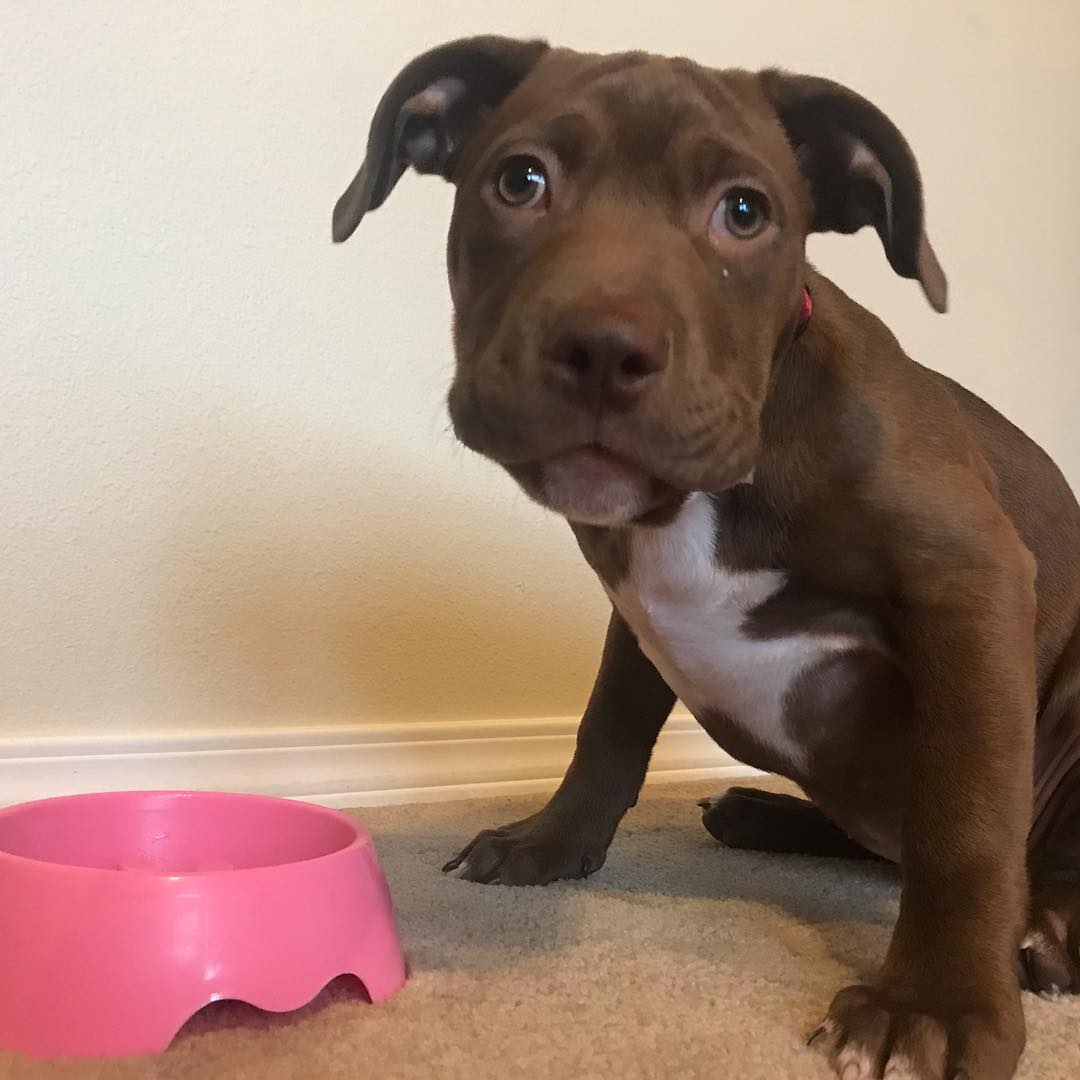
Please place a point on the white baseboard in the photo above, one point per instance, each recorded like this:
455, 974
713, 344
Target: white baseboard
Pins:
363, 765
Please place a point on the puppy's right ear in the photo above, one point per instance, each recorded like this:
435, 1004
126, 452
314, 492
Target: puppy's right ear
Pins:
428, 114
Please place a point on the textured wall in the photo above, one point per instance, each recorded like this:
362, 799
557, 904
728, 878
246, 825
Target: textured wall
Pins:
227, 491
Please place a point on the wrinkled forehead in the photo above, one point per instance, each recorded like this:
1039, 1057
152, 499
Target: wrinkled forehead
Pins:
646, 118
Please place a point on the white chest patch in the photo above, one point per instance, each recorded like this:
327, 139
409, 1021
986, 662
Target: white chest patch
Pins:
688, 614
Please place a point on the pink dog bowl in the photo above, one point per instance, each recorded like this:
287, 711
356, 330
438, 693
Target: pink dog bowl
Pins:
122, 914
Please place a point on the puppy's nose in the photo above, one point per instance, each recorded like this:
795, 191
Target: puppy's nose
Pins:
606, 361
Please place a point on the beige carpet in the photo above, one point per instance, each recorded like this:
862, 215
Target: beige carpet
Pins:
679, 959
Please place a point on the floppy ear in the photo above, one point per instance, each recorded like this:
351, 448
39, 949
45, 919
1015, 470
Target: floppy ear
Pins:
429, 112
861, 171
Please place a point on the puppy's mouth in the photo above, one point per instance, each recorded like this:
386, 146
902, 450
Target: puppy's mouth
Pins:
607, 470
593, 485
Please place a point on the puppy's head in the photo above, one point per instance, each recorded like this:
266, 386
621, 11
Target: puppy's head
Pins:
627, 252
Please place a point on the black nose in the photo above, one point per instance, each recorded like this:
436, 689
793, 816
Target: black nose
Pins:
604, 361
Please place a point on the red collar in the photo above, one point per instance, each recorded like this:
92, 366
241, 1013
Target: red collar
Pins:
805, 311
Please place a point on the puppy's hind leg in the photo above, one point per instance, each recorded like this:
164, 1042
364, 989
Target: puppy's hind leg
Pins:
771, 821
1049, 961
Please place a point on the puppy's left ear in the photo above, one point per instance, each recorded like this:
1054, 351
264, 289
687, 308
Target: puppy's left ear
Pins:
428, 113
861, 171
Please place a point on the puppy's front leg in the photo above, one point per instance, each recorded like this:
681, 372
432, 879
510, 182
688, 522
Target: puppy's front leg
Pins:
569, 838
946, 1003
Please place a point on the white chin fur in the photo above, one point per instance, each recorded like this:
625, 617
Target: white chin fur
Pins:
584, 517
594, 489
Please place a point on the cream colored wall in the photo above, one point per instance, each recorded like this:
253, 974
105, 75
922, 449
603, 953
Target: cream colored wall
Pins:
227, 490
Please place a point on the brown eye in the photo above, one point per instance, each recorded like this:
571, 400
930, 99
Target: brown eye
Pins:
522, 182
742, 213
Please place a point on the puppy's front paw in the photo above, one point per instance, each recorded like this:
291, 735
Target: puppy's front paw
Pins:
873, 1032
535, 851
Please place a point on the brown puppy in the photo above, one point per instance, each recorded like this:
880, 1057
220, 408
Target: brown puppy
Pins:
852, 571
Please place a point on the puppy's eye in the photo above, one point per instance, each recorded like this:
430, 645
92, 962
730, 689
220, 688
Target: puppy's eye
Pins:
522, 182
742, 213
